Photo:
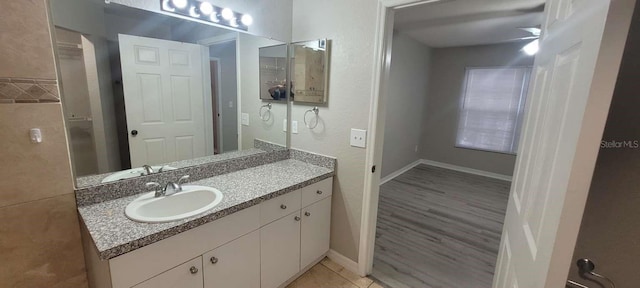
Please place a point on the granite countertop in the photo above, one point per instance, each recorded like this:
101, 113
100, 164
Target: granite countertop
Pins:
93, 180
114, 234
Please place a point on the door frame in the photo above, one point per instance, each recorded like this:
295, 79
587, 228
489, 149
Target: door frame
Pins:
608, 64
208, 42
219, 134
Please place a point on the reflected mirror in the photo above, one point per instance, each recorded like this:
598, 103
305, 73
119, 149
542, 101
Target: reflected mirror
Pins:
273, 72
145, 92
309, 70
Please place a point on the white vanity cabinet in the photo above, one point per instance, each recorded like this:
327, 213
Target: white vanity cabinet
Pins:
235, 264
298, 239
188, 274
261, 246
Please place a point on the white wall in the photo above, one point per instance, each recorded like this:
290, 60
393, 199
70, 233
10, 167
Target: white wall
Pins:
443, 104
248, 61
352, 31
407, 90
271, 18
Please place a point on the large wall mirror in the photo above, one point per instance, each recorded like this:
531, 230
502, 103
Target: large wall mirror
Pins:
145, 92
310, 71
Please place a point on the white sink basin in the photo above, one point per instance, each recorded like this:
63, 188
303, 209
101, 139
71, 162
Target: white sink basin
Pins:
192, 200
134, 172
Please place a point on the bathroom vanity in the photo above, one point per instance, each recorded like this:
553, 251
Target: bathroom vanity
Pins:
265, 232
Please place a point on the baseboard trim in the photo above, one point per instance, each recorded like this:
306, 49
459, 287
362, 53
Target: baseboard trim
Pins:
400, 171
343, 261
467, 170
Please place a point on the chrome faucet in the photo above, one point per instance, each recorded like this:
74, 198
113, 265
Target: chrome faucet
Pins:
147, 169
169, 189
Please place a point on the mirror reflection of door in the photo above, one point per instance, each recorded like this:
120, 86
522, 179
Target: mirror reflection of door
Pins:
164, 99
213, 67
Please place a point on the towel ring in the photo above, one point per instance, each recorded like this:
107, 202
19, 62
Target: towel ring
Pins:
267, 113
314, 110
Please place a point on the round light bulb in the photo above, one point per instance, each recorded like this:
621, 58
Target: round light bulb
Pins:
532, 48
180, 4
246, 19
233, 22
214, 18
227, 14
206, 8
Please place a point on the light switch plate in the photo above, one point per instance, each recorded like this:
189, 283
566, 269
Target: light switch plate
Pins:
358, 138
294, 127
230, 104
245, 119
284, 125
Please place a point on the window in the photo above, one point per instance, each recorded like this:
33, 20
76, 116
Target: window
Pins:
492, 107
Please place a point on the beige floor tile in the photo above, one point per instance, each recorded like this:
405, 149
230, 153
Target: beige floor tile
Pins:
375, 285
40, 245
361, 282
320, 276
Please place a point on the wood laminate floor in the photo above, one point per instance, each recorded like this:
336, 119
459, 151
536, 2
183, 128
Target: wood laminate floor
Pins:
439, 228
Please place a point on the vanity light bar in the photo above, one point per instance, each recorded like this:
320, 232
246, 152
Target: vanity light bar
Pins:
206, 11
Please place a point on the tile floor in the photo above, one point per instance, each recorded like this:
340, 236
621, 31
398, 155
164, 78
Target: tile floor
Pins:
328, 274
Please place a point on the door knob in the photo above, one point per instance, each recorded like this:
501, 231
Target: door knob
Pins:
307, 214
283, 206
193, 270
134, 133
213, 260
296, 218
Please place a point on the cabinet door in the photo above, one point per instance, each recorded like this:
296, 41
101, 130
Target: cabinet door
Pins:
187, 275
316, 229
280, 250
235, 264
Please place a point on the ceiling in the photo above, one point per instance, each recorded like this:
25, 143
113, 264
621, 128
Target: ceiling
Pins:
453, 23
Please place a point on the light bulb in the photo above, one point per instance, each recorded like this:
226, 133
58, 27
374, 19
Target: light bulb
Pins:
167, 7
246, 19
233, 22
193, 13
532, 48
206, 8
180, 4
227, 14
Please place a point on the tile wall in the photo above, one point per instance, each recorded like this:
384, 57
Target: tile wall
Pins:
40, 239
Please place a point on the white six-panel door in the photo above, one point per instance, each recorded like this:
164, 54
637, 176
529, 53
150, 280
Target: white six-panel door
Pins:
550, 162
164, 99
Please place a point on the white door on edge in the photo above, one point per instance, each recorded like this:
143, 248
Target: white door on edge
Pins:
164, 99
549, 159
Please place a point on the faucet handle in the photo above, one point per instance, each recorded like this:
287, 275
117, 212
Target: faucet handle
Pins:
154, 185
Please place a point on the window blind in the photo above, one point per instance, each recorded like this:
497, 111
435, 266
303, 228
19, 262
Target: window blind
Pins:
492, 107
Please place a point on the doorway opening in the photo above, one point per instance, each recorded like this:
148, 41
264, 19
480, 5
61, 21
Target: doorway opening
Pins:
460, 75
572, 82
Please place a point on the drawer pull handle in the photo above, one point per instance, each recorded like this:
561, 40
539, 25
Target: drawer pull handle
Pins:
213, 260
319, 192
307, 214
296, 218
193, 270
283, 206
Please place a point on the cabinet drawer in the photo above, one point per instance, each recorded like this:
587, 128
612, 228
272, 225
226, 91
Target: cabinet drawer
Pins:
279, 207
188, 274
317, 191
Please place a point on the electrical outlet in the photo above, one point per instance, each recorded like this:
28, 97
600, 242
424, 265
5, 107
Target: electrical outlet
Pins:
245, 119
358, 138
294, 127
